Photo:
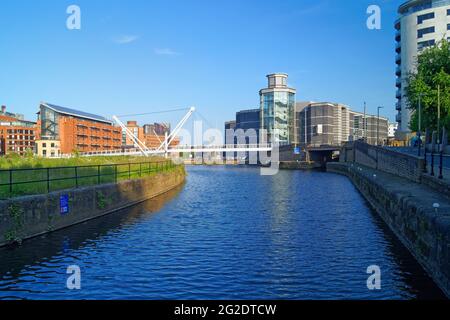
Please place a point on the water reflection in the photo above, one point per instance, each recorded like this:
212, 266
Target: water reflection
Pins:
228, 233
62, 242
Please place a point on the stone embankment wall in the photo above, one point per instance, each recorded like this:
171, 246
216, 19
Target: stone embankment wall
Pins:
31, 216
407, 209
402, 165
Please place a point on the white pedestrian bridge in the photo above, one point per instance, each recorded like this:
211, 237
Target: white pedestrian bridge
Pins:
184, 149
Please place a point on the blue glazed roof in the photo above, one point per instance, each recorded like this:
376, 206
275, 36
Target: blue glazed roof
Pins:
77, 113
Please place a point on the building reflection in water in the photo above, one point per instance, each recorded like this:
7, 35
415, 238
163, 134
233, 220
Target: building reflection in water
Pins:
41, 249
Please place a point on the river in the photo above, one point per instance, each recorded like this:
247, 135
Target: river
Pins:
228, 233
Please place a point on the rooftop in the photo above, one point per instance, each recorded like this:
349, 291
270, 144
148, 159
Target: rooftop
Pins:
412, 6
248, 111
76, 113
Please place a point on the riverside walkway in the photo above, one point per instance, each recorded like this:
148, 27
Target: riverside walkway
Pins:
417, 214
413, 204
421, 196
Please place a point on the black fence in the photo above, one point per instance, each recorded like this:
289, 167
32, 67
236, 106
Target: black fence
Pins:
435, 164
19, 182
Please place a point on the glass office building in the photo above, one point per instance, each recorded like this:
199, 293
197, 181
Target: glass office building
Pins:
277, 109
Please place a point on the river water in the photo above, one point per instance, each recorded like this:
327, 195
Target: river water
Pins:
228, 233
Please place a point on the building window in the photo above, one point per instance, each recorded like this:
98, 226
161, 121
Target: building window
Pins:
44, 145
448, 12
425, 44
424, 17
448, 26
422, 32
425, 6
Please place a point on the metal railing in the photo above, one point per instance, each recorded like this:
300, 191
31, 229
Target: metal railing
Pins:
18, 182
434, 163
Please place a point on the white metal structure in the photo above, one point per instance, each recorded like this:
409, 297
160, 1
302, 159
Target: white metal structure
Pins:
138, 143
185, 149
164, 144
164, 149
168, 140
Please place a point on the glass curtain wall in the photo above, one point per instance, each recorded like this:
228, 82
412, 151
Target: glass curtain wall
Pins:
278, 116
49, 123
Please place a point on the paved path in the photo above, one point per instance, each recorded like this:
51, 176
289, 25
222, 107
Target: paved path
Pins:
423, 196
414, 152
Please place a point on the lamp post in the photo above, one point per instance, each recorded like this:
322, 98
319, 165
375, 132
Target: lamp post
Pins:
439, 115
364, 124
420, 124
378, 125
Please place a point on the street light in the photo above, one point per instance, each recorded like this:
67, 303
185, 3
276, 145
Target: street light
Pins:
420, 123
378, 125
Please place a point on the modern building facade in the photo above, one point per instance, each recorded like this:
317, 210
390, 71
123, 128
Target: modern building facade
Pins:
230, 125
326, 123
421, 24
77, 130
248, 119
16, 135
277, 104
374, 130
323, 123
249, 122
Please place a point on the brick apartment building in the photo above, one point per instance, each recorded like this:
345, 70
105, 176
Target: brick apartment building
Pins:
73, 130
16, 134
147, 135
159, 129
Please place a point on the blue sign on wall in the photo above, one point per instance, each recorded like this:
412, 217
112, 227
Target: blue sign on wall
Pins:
297, 150
64, 204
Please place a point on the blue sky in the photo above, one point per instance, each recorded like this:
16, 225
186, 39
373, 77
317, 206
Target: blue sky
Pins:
141, 56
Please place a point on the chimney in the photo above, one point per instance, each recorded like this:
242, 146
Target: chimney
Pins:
3, 109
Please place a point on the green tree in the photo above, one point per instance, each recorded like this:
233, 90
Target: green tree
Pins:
433, 72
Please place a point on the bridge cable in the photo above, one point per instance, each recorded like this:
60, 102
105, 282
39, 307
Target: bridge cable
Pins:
149, 113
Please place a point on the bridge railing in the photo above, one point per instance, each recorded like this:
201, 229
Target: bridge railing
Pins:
226, 146
19, 182
109, 152
206, 148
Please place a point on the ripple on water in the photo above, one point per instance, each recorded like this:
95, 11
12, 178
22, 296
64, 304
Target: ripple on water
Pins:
228, 233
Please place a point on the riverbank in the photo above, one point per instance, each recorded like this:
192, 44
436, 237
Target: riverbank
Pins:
30, 216
227, 233
21, 176
408, 208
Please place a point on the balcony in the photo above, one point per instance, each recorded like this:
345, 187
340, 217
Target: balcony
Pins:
398, 71
398, 106
398, 117
398, 94
398, 47
398, 36
398, 59
398, 82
